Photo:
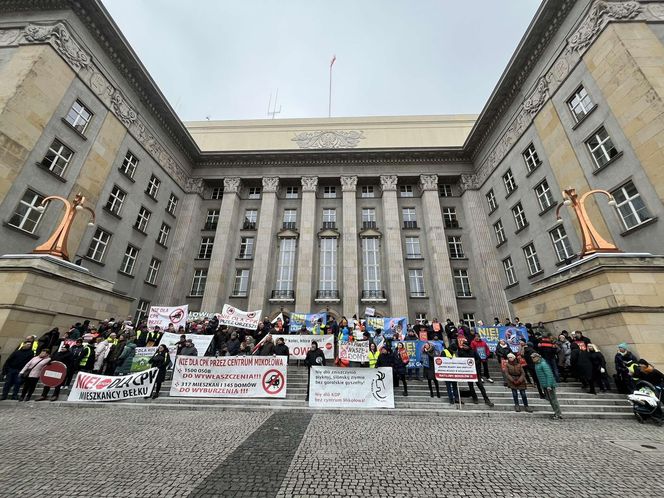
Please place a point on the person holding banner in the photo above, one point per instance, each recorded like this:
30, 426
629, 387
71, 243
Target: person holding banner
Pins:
451, 386
483, 352
401, 360
465, 351
429, 369
315, 358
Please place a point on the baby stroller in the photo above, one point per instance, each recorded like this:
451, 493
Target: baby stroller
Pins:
647, 402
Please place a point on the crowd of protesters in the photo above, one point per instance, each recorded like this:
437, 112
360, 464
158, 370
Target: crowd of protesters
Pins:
541, 361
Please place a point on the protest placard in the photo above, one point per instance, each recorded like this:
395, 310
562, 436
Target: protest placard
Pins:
512, 336
234, 317
332, 387
93, 387
455, 369
200, 341
299, 345
163, 315
391, 327
309, 320
354, 351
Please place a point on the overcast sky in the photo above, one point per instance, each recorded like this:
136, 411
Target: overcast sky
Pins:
222, 59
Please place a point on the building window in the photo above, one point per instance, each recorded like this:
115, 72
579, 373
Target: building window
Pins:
531, 158
580, 104
164, 231
532, 260
79, 117
409, 217
129, 164
212, 219
462, 283
98, 245
172, 204
455, 247
416, 282
469, 318
129, 260
328, 264
57, 158
544, 195
450, 217
27, 214
413, 250
246, 247
292, 192
116, 200
368, 218
205, 249
241, 284
367, 191
217, 193
510, 276
405, 191
254, 192
499, 230
250, 219
142, 220
153, 187
561, 243
141, 311
631, 207
519, 216
601, 147
199, 281
491, 201
286, 266
329, 218
508, 181
153, 271
329, 192
371, 263
290, 219
445, 190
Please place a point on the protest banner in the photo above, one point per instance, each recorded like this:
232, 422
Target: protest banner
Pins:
391, 327
299, 345
200, 341
163, 315
512, 336
354, 351
195, 316
369, 311
414, 350
234, 317
307, 319
230, 377
332, 387
93, 387
455, 369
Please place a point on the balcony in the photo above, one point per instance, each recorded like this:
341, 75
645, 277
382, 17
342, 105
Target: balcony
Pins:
373, 296
282, 295
418, 294
289, 225
249, 225
327, 296
329, 225
210, 225
452, 223
456, 255
410, 224
368, 224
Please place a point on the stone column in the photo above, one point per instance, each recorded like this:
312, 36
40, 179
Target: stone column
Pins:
392, 247
483, 251
443, 293
174, 280
260, 288
305, 253
222, 251
350, 290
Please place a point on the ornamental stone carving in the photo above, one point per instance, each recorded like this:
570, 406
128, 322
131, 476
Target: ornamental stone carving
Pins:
538, 98
348, 183
231, 185
429, 182
329, 139
194, 185
62, 40
388, 182
598, 17
121, 108
468, 182
270, 183
309, 183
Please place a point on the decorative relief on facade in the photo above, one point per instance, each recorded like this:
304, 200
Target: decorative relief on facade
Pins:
194, 185
388, 182
231, 185
120, 107
309, 183
537, 99
429, 182
61, 39
328, 139
599, 16
270, 183
348, 183
468, 182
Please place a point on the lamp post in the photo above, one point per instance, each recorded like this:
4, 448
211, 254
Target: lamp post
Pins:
592, 242
56, 245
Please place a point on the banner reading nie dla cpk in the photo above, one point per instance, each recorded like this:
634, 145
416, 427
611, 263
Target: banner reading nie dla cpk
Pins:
453, 369
93, 387
234, 317
299, 345
230, 377
163, 315
332, 387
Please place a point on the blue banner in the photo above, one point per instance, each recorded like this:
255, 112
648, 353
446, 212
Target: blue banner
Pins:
414, 349
512, 336
307, 319
388, 325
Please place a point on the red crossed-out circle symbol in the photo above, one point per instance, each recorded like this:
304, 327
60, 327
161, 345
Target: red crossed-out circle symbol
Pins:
273, 382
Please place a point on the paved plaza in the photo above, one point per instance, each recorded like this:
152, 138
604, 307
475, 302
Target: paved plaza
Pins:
117, 452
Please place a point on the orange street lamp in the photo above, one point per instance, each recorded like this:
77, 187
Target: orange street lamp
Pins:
592, 241
56, 245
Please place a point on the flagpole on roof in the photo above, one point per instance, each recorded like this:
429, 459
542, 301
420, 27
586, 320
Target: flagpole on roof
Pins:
329, 102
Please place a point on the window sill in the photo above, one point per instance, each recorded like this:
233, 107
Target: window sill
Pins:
501, 244
512, 192
414, 258
419, 297
458, 227
639, 226
139, 230
192, 296
522, 228
125, 274
148, 283
20, 230
114, 215
78, 132
150, 197
203, 259
608, 163
581, 120
244, 259
567, 261
546, 210
493, 211
410, 228
512, 285
462, 258
465, 297
530, 172
237, 296
126, 176
94, 261
161, 245
172, 215
54, 175
535, 274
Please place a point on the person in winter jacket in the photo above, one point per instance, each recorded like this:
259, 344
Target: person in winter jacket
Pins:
526, 352
315, 358
401, 361
564, 356
233, 345
280, 349
548, 383
126, 358
67, 359
113, 355
267, 348
516, 381
102, 349
598, 378
625, 362
645, 371
188, 349
465, 351
159, 360
582, 366
49, 340
12, 370
480, 347
548, 350
373, 355
31, 372
429, 368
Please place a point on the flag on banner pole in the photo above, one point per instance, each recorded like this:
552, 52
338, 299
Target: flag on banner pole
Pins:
334, 58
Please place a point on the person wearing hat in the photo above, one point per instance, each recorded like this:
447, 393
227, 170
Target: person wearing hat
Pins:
63, 356
548, 382
516, 381
625, 362
315, 358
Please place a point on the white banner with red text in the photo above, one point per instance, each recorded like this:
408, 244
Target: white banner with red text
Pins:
354, 351
163, 315
93, 387
230, 377
299, 345
454, 369
333, 387
234, 317
200, 341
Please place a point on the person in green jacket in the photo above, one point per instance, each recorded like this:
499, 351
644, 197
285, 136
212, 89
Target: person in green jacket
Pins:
548, 384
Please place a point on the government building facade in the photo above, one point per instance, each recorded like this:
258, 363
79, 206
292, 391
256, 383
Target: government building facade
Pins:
418, 216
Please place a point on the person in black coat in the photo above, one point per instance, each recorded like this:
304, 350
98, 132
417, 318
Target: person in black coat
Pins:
280, 349
315, 358
582, 366
233, 345
49, 340
12, 368
160, 360
67, 359
599, 377
429, 368
399, 369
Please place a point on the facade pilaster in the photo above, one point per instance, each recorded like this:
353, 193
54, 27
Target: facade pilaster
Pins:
305, 253
222, 251
259, 289
393, 248
350, 291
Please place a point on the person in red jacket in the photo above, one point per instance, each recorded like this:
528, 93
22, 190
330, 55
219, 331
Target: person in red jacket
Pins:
480, 346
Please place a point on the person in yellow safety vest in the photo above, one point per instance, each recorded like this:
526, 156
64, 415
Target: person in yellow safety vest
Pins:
452, 387
112, 339
141, 337
319, 328
87, 358
373, 355
30, 339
